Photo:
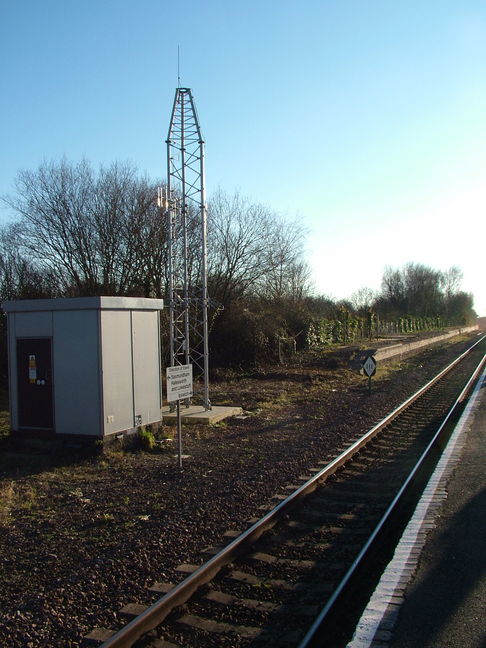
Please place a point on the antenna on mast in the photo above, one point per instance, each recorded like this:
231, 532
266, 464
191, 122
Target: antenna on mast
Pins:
186, 213
178, 69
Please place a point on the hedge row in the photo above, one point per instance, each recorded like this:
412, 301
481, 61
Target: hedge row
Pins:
348, 329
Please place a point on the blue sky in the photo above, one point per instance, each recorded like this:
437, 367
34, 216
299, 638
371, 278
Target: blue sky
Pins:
363, 119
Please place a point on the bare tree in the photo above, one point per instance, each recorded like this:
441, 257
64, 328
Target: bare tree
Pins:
286, 273
253, 251
423, 290
19, 277
392, 285
55, 230
391, 301
362, 300
98, 232
451, 281
238, 235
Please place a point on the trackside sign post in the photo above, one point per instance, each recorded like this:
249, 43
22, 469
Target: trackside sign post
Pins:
179, 387
369, 368
179, 382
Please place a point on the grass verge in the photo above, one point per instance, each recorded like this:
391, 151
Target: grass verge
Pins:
4, 413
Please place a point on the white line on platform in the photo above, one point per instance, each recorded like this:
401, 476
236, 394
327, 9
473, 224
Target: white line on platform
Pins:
408, 549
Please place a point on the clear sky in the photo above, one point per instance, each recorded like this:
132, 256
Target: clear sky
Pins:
363, 119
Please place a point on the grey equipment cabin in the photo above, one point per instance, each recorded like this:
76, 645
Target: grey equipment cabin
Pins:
85, 367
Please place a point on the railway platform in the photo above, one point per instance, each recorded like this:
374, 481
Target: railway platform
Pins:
433, 592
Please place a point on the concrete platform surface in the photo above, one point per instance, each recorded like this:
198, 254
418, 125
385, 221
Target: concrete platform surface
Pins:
405, 347
197, 414
444, 549
445, 603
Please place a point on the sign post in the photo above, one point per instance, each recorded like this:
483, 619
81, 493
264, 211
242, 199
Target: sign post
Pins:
179, 387
369, 368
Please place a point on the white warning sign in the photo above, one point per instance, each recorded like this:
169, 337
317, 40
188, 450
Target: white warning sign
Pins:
179, 382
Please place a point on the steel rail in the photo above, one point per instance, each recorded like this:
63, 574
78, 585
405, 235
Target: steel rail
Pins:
386, 520
156, 613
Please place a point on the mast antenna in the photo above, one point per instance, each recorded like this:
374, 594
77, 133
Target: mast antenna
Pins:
186, 213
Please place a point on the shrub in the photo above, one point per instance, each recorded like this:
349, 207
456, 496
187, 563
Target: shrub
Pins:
147, 439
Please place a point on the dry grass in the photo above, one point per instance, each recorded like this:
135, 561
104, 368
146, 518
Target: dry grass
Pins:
4, 414
13, 497
7, 499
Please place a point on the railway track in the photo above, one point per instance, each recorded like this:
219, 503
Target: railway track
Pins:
307, 567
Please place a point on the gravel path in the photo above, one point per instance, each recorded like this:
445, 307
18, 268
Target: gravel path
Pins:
81, 536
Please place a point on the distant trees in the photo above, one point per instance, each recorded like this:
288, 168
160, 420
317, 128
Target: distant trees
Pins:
392, 299
420, 291
101, 232
362, 300
257, 275
414, 298
81, 231
450, 281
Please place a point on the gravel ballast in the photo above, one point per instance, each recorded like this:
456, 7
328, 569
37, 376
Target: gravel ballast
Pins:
81, 536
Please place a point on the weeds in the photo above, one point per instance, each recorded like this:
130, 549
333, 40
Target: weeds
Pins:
7, 497
27, 498
147, 439
11, 498
107, 517
4, 414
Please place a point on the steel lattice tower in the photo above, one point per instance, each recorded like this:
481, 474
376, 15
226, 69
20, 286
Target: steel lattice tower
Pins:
186, 212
